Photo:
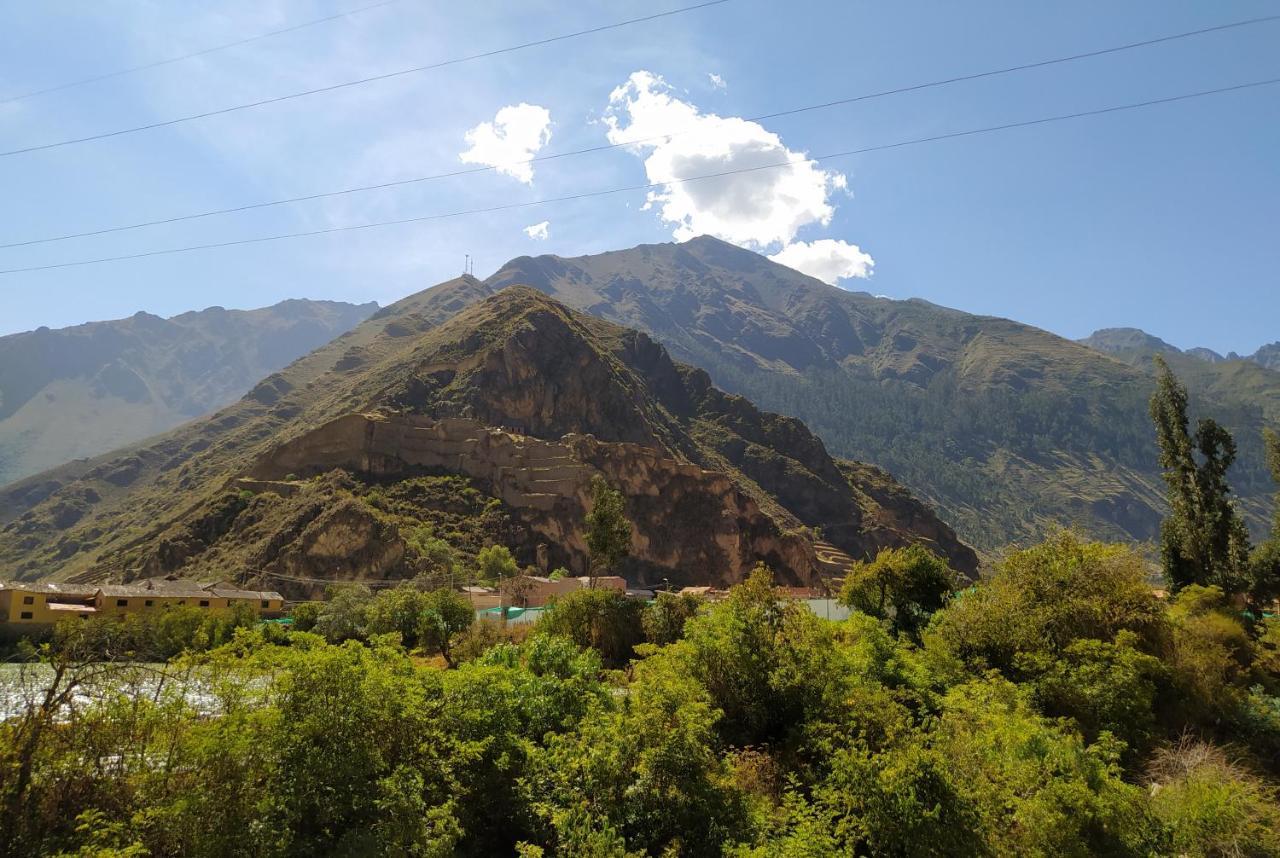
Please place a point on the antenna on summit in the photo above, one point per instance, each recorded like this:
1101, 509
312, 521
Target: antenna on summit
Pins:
468, 264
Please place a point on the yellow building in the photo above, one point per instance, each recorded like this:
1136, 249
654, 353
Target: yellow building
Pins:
40, 604
44, 604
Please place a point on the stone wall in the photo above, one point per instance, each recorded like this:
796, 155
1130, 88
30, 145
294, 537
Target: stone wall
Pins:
690, 524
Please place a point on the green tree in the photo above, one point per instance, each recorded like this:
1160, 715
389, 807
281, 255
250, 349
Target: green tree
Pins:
445, 614
665, 618
604, 620
1264, 565
903, 586
495, 564
1044, 598
608, 531
396, 610
344, 615
1203, 540
305, 615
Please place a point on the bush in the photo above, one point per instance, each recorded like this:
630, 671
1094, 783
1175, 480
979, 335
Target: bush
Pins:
664, 619
605, 620
1212, 806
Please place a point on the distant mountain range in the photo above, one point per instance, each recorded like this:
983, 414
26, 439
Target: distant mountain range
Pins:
80, 391
473, 415
1130, 342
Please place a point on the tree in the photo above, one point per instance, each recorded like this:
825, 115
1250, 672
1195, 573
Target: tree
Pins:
445, 615
397, 610
904, 586
495, 563
344, 615
605, 620
608, 531
1203, 540
1264, 565
664, 619
1044, 598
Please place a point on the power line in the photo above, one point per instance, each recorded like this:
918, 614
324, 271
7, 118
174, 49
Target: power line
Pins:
360, 81
606, 147
652, 185
204, 52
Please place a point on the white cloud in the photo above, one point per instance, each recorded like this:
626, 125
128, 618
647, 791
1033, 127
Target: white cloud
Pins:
756, 208
539, 231
514, 136
717, 82
827, 259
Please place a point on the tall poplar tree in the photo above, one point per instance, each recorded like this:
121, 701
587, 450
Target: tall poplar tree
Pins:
1264, 588
1204, 539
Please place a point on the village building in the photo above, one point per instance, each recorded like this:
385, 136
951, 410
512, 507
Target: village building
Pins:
38, 605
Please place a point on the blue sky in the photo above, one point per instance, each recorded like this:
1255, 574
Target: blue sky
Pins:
1164, 218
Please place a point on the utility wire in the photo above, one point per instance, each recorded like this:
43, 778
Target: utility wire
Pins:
605, 147
194, 54
360, 81
652, 185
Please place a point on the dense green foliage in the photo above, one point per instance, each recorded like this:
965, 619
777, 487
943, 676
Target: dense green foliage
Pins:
1058, 708
903, 585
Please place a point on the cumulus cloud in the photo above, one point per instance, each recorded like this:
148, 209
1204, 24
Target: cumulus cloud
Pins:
717, 82
757, 208
515, 135
827, 259
539, 231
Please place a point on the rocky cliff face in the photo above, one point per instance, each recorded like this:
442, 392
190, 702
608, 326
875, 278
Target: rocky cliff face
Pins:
689, 524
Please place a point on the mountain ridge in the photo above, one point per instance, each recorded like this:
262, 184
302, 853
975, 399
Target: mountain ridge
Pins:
75, 392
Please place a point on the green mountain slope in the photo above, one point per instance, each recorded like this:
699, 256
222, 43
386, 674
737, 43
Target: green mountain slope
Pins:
1008, 429
468, 414
80, 391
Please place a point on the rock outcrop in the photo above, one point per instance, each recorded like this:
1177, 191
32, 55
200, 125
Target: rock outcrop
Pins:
690, 524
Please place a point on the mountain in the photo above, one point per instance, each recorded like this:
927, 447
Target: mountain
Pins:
472, 415
1134, 344
1127, 341
80, 391
1008, 429
1268, 356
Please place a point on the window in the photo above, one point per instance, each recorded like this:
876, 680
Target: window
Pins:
149, 603
28, 600
182, 601
228, 603
204, 603
26, 615
266, 604
122, 603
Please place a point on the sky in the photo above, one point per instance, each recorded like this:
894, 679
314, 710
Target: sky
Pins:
1163, 218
